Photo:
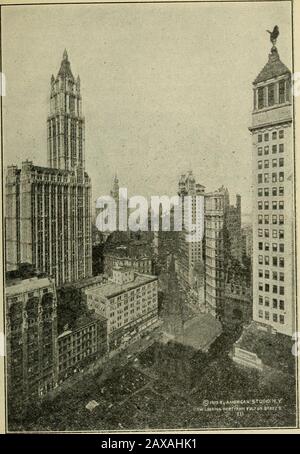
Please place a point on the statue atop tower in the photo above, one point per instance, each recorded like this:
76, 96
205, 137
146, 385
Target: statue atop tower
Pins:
274, 35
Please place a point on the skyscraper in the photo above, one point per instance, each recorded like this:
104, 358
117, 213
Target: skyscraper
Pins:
273, 201
223, 243
48, 209
190, 252
214, 252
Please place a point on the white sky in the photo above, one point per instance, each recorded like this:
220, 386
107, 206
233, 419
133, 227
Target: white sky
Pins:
165, 87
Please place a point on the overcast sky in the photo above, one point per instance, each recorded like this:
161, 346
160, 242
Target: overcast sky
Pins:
165, 88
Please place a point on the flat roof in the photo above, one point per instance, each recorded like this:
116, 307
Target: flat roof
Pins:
81, 323
88, 281
111, 289
200, 331
14, 287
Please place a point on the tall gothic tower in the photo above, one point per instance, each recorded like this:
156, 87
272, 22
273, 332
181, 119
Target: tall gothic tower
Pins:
48, 209
65, 121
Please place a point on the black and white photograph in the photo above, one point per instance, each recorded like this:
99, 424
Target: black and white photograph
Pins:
149, 217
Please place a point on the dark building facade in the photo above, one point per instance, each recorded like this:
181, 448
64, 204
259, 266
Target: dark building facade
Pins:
31, 338
48, 209
82, 345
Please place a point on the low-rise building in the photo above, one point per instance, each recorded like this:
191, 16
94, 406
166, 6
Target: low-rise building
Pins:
129, 302
31, 338
89, 282
238, 304
80, 346
120, 257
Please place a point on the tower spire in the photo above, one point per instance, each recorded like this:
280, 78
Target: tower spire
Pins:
65, 122
65, 67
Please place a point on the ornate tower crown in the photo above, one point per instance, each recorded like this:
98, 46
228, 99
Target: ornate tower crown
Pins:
65, 121
272, 86
65, 67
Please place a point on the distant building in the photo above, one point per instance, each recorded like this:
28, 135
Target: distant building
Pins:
97, 236
119, 258
115, 195
48, 209
233, 226
222, 243
190, 253
238, 303
129, 302
82, 345
31, 338
247, 240
214, 253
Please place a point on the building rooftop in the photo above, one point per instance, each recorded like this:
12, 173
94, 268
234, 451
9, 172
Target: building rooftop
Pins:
273, 348
15, 286
94, 280
111, 289
200, 332
273, 68
81, 322
123, 254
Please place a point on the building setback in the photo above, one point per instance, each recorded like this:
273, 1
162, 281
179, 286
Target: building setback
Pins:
48, 209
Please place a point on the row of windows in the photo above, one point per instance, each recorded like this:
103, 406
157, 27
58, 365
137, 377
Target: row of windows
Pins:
265, 164
275, 234
275, 303
150, 302
275, 148
266, 191
275, 274
275, 316
267, 96
135, 299
275, 219
264, 178
114, 324
266, 205
275, 261
275, 247
274, 136
266, 288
